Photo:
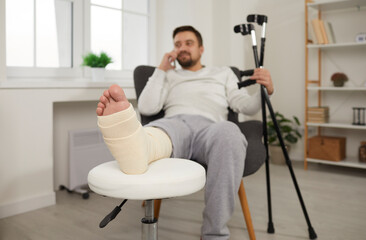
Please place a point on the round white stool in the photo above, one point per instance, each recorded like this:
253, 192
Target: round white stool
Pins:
165, 178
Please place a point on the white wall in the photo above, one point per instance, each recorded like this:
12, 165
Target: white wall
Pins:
174, 13
2, 41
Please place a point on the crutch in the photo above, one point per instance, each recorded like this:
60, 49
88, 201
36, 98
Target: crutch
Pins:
246, 29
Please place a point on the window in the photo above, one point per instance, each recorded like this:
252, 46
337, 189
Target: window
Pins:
39, 33
120, 28
47, 38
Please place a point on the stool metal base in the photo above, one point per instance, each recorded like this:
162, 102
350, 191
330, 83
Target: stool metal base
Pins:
149, 223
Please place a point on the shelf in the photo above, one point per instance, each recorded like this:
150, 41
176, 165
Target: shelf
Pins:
336, 125
334, 5
337, 88
319, 89
349, 162
336, 45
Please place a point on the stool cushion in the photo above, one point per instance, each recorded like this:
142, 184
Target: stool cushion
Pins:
165, 178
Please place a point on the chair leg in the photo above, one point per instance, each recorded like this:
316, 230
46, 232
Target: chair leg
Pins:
157, 203
246, 212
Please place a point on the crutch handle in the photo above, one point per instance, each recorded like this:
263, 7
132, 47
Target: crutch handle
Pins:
246, 83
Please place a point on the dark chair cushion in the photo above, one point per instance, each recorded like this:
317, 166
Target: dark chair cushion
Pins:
252, 130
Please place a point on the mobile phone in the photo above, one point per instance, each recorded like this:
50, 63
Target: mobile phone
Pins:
172, 62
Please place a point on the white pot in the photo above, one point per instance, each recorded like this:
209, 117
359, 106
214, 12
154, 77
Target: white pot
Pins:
276, 154
97, 74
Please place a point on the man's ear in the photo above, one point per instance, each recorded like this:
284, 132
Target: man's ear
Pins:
202, 49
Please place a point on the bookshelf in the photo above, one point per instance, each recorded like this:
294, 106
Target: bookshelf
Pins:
348, 162
336, 45
335, 4
343, 89
337, 125
319, 92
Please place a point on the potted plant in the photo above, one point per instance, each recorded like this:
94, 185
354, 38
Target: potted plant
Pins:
290, 135
97, 64
339, 79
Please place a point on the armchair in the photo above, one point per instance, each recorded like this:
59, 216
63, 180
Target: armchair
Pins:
253, 131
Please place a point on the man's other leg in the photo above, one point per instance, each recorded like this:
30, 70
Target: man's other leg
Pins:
222, 148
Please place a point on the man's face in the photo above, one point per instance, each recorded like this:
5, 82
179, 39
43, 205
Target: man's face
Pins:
188, 50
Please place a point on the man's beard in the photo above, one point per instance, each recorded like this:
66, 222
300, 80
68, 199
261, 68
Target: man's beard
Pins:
188, 62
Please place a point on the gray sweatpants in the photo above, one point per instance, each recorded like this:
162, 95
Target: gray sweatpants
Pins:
221, 149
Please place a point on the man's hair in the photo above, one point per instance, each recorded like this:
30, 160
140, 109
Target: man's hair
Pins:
189, 29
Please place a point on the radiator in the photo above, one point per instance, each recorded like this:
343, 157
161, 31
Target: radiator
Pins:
86, 150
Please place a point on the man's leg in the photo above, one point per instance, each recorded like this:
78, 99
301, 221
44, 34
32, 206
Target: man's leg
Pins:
130, 144
222, 148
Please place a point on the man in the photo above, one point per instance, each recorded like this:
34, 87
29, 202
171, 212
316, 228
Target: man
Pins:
195, 99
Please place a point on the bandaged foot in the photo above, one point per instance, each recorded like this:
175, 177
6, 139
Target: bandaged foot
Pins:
132, 145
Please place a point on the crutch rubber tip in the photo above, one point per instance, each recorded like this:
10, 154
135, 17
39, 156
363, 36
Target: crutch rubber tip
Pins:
312, 234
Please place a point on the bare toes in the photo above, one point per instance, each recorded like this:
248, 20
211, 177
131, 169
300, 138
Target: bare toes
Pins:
117, 93
101, 105
104, 100
99, 111
106, 94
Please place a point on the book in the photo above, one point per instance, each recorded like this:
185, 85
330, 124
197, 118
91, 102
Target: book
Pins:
318, 33
318, 119
312, 35
314, 116
318, 114
330, 33
324, 34
318, 109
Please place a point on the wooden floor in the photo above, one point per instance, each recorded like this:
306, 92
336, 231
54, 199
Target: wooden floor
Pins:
335, 199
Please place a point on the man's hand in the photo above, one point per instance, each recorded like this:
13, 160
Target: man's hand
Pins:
262, 76
168, 59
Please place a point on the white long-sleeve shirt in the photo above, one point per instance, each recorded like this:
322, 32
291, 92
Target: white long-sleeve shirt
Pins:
207, 92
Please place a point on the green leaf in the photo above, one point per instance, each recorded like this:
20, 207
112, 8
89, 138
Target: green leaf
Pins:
291, 138
270, 124
271, 140
296, 120
287, 128
284, 121
95, 61
298, 134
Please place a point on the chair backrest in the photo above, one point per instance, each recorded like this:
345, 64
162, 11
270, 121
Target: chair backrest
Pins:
252, 130
141, 75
